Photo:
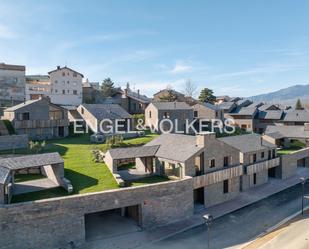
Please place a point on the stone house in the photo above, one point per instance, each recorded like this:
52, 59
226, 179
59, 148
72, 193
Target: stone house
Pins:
171, 117
102, 118
176, 156
38, 118
244, 117
37, 86
257, 155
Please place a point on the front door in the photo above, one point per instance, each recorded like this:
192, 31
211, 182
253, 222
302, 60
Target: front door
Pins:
61, 131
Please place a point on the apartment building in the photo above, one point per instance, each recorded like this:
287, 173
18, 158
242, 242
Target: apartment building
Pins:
37, 86
66, 86
169, 116
39, 119
12, 81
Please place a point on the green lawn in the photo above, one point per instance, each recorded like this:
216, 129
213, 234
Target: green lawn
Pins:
295, 146
85, 175
147, 180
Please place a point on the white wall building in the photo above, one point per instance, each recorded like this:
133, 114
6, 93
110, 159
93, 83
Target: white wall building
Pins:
66, 86
12, 83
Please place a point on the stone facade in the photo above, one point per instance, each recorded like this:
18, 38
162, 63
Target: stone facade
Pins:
39, 119
54, 223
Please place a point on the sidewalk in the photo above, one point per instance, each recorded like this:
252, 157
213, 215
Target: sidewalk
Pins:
140, 239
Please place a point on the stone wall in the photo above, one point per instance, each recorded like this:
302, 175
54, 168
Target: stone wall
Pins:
55, 222
289, 163
11, 142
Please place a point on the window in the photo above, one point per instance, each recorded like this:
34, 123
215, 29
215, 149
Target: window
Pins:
74, 74
212, 163
68, 91
56, 81
63, 91
134, 106
226, 161
195, 114
274, 153
75, 92
68, 82
225, 186
56, 90
254, 158
166, 115
25, 116
254, 178
82, 110
263, 154
63, 74
149, 114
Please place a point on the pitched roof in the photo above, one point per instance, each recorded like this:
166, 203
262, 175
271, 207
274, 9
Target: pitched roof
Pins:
276, 114
4, 173
171, 105
247, 143
244, 102
289, 131
134, 152
107, 111
21, 105
170, 146
211, 106
65, 67
226, 105
268, 107
246, 111
29, 161
172, 90
138, 97
296, 116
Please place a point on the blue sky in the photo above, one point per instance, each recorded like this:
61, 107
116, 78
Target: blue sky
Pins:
235, 47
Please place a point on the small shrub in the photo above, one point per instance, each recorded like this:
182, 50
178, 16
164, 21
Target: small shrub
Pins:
37, 146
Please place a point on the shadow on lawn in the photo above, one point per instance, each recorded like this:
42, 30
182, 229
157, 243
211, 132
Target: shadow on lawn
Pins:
79, 181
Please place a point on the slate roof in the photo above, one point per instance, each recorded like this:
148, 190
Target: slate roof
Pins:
244, 102
211, 106
138, 97
270, 114
133, 152
21, 105
12, 67
4, 173
247, 143
29, 161
107, 111
267, 106
288, 131
226, 105
175, 146
296, 116
65, 67
244, 111
171, 105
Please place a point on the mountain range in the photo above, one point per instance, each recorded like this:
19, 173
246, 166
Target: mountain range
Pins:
287, 95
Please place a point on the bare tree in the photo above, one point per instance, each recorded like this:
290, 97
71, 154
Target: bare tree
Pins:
190, 88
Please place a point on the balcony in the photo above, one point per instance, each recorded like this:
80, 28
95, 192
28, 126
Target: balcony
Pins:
261, 166
217, 176
30, 124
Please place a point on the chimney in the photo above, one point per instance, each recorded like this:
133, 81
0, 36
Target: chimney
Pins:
138, 93
58, 67
205, 138
24, 100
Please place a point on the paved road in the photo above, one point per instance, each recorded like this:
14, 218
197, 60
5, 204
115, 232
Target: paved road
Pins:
230, 231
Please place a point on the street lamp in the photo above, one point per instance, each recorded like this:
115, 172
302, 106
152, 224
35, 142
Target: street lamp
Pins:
302, 181
208, 221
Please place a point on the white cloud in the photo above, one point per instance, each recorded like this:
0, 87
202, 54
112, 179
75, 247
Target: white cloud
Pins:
181, 67
6, 33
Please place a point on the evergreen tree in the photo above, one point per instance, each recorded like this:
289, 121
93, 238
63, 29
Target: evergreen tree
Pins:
107, 88
299, 105
206, 95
